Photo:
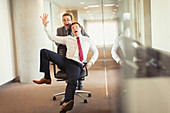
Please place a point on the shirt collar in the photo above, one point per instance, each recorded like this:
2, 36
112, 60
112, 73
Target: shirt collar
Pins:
78, 36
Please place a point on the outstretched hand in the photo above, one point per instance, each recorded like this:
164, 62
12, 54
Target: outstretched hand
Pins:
89, 64
121, 62
44, 19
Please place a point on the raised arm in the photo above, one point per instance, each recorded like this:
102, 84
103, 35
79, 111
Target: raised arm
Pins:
54, 38
115, 48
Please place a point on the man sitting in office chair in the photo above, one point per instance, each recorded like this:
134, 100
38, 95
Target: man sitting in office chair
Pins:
65, 30
71, 64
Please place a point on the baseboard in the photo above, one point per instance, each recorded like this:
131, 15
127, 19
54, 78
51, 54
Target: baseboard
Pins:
17, 79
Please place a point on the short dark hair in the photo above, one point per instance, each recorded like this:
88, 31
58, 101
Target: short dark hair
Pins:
67, 14
75, 23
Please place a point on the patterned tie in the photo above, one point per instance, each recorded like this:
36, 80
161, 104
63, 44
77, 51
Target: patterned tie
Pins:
80, 49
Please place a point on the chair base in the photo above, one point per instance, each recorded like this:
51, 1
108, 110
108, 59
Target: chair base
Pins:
77, 92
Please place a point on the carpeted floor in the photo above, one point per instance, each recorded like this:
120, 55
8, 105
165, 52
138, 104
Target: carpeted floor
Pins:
32, 98
104, 86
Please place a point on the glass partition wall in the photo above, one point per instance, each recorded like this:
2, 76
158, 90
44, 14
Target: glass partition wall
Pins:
145, 80
112, 29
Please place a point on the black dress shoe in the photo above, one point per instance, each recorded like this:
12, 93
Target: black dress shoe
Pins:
62, 111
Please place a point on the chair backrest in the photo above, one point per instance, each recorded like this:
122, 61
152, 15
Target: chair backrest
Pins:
61, 50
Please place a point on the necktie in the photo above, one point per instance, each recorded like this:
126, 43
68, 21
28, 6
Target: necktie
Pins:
80, 49
69, 32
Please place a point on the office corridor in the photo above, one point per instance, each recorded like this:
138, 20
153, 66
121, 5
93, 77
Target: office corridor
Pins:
143, 84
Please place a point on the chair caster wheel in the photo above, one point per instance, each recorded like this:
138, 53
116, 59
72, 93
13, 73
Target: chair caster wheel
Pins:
85, 101
54, 98
89, 95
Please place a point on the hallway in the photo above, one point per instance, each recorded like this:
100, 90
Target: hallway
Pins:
141, 86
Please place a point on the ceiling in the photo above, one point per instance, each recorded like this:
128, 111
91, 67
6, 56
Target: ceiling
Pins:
91, 13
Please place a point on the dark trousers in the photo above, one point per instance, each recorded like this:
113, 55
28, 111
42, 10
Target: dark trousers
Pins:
72, 69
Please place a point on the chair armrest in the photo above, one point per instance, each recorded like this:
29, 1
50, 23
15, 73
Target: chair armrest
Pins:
84, 66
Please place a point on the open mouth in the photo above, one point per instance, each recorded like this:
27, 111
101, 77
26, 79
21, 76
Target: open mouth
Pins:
75, 31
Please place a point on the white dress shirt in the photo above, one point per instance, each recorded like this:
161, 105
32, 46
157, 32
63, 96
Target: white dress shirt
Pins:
72, 46
118, 44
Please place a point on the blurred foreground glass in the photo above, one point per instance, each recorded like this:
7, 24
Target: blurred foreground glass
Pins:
146, 70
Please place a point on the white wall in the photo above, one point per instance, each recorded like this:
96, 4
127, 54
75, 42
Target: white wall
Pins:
7, 72
80, 20
22, 36
55, 21
30, 37
110, 31
160, 18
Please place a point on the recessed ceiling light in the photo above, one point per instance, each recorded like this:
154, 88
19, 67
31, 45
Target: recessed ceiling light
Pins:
87, 11
113, 12
115, 9
82, 2
108, 5
90, 6
117, 5
85, 7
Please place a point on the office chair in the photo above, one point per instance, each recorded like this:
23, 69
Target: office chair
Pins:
62, 76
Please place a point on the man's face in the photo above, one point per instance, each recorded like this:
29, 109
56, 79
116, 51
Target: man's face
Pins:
67, 21
76, 29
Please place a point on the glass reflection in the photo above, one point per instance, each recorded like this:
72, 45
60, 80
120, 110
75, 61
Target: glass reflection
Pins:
146, 70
